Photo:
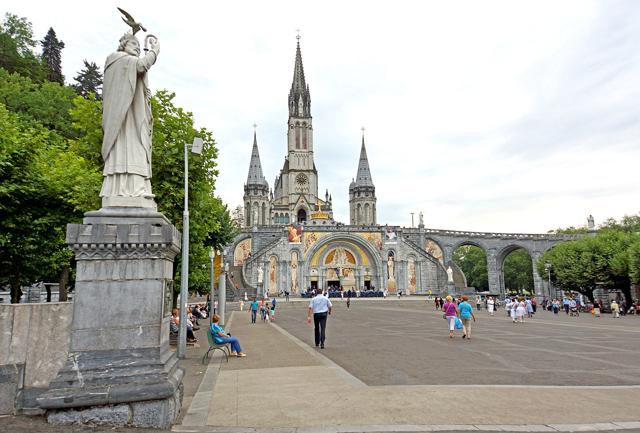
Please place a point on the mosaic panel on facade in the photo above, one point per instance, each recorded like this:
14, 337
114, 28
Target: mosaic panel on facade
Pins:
242, 252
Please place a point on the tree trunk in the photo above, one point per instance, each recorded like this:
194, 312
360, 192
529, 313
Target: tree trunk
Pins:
16, 293
628, 299
64, 280
589, 294
48, 288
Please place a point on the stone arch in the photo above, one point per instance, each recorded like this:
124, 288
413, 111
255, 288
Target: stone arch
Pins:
502, 254
459, 277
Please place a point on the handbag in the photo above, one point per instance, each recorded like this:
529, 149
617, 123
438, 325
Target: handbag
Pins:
458, 324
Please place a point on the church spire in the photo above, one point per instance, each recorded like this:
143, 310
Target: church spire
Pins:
299, 97
363, 177
255, 176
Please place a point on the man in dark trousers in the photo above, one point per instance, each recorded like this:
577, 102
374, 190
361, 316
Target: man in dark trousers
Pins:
320, 307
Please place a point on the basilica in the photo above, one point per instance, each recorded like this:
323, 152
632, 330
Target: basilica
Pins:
291, 242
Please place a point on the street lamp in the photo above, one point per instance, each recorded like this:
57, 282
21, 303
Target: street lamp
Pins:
222, 289
547, 267
212, 257
196, 147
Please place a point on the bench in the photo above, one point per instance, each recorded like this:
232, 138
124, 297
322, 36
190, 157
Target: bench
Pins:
213, 346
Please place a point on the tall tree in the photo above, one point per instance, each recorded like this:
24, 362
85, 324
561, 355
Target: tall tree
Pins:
89, 80
20, 30
52, 56
16, 48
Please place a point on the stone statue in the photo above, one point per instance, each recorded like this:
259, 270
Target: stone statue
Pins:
127, 124
420, 219
590, 223
390, 267
449, 275
260, 274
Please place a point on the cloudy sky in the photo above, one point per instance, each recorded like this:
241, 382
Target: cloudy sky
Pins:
494, 116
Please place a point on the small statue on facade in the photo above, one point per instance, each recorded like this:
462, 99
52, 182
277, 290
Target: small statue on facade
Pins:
260, 274
449, 274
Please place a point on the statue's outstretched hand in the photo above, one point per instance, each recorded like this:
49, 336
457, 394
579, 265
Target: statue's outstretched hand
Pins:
154, 44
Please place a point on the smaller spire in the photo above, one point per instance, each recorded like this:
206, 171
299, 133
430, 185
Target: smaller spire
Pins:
363, 177
255, 176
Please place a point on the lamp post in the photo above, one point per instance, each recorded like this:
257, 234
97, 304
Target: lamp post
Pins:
222, 289
212, 257
547, 267
196, 147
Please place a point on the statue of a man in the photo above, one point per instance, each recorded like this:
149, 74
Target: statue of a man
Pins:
127, 125
449, 275
420, 219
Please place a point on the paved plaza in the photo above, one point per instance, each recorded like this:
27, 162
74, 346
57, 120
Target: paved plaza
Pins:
390, 366
406, 343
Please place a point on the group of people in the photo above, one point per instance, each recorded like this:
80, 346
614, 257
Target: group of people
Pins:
194, 313
518, 308
266, 308
458, 313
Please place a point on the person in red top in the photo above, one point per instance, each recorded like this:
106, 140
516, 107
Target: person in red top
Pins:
450, 310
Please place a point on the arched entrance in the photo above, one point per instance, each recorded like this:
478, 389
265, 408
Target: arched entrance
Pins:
343, 260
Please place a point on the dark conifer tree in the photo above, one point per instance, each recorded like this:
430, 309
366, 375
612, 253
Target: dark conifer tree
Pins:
52, 56
89, 80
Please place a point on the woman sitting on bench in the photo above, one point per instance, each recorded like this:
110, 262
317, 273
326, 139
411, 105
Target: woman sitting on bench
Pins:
220, 337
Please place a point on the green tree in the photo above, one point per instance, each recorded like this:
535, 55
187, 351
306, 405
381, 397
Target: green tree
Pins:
16, 48
518, 271
32, 219
89, 80
472, 261
52, 56
586, 264
47, 103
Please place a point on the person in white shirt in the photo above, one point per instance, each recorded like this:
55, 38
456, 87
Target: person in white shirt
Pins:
490, 305
320, 307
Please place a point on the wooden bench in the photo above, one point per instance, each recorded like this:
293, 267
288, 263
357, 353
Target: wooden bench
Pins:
213, 346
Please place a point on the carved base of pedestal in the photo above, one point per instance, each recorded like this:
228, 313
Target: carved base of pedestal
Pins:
148, 414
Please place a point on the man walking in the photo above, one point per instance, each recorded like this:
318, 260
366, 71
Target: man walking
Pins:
320, 307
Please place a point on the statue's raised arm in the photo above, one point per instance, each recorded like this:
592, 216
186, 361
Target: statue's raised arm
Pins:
127, 122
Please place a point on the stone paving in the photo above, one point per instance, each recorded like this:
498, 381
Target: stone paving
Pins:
390, 366
406, 343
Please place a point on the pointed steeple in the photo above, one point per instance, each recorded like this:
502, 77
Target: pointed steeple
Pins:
299, 97
363, 178
255, 176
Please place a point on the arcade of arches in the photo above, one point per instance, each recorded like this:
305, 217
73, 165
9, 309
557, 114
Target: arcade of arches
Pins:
387, 258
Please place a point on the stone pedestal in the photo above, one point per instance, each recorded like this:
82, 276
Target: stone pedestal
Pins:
451, 289
120, 370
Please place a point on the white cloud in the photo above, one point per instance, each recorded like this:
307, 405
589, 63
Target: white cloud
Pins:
493, 115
